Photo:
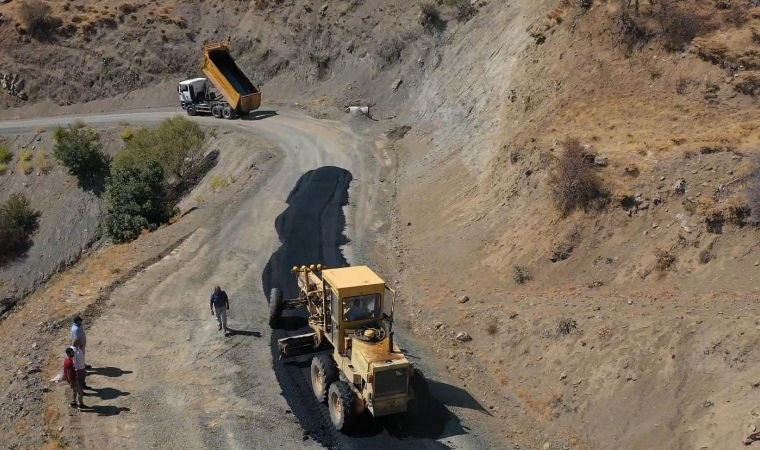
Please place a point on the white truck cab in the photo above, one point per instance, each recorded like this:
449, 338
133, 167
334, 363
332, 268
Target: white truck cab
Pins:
192, 91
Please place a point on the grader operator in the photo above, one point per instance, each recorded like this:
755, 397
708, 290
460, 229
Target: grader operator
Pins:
347, 310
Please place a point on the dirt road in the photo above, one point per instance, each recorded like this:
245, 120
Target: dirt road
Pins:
169, 379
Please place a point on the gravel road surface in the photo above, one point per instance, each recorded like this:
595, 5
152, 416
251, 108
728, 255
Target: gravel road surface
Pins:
167, 378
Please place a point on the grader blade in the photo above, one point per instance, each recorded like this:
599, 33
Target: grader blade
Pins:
293, 345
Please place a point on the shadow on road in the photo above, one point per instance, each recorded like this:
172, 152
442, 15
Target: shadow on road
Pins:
106, 393
110, 372
311, 231
105, 410
243, 333
259, 115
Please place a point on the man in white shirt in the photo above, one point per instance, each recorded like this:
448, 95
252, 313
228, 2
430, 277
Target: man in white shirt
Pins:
77, 333
79, 363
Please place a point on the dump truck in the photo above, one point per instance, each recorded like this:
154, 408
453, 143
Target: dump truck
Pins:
236, 96
350, 312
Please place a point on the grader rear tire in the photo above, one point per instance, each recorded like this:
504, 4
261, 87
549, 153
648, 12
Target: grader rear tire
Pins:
324, 373
341, 401
276, 307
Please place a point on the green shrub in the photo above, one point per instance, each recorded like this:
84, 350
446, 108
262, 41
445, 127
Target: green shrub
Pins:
136, 200
5, 155
25, 155
177, 144
79, 149
3, 168
17, 223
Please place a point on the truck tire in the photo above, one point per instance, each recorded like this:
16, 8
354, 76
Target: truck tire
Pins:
276, 307
190, 110
324, 373
341, 401
228, 113
216, 111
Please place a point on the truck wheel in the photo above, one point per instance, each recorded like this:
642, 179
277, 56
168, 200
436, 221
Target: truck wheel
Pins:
216, 111
227, 112
190, 110
275, 307
342, 405
324, 373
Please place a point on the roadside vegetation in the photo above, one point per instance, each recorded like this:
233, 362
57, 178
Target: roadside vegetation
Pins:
155, 163
79, 149
18, 221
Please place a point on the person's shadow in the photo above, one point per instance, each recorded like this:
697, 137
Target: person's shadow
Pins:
110, 372
106, 393
105, 410
232, 332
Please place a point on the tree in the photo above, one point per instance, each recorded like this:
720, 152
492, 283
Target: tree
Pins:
136, 200
18, 221
79, 149
177, 144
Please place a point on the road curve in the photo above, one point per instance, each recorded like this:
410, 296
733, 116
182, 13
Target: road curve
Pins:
178, 382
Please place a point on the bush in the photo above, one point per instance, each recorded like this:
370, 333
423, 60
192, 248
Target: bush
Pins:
664, 260
37, 18
753, 195
78, 148
17, 223
177, 144
465, 10
566, 326
430, 17
573, 181
680, 27
521, 274
136, 200
5, 155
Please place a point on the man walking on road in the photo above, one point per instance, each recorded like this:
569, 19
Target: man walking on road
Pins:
70, 375
220, 304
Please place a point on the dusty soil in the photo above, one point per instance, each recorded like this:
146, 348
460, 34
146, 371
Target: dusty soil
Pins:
225, 241
70, 215
633, 327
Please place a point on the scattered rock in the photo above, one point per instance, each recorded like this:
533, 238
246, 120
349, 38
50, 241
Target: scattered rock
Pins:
680, 186
464, 299
547, 446
562, 376
323, 8
463, 336
13, 85
512, 315
396, 84
632, 377
600, 161
709, 404
35, 346
561, 252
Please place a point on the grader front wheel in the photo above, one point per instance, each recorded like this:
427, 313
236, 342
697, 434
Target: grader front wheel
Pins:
342, 405
276, 307
324, 373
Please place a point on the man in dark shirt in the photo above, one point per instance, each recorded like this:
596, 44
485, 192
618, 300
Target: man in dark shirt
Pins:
70, 375
220, 304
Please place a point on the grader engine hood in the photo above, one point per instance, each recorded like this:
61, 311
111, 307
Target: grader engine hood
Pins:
387, 372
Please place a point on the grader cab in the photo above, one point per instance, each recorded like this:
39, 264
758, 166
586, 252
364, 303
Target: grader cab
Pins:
350, 310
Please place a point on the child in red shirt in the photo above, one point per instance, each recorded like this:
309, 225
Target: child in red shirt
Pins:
70, 375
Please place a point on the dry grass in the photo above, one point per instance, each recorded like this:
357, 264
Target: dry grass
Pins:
218, 183
37, 18
664, 260
492, 328
42, 162
573, 181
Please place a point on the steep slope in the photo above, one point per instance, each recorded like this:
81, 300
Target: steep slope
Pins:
595, 323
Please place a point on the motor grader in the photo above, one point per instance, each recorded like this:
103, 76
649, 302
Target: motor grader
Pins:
347, 308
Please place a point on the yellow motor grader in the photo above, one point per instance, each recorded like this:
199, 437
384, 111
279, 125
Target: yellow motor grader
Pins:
347, 311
